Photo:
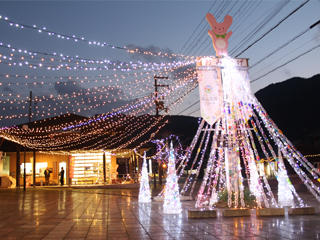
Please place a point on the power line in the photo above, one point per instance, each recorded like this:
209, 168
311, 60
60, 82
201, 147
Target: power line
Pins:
285, 63
244, 13
203, 30
273, 28
189, 107
196, 28
285, 44
193, 111
284, 56
260, 26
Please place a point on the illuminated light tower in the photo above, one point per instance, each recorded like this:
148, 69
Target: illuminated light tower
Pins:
240, 123
144, 191
172, 204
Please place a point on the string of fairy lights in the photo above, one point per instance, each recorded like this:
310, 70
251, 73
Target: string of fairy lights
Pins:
110, 86
112, 97
58, 144
52, 64
90, 42
34, 60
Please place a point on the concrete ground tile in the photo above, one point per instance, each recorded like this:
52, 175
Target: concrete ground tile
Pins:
259, 238
120, 236
158, 234
98, 228
6, 230
34, 236
136, 230
205, 237
77, 234
188, 238
138, 233
154, 229
139, 221
140, 237
40, 231
244, 235
74, 238
162, 238
80, 228
50, 223
116, 229
29, 226
117, 238
97, 233
21, 231
46, 227
87, 222
96, 237
229, 238
59, 233
181, 235
15, 234
123, 234
10, 238
221, 233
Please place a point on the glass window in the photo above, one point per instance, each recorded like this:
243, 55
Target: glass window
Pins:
88, 168
40, 167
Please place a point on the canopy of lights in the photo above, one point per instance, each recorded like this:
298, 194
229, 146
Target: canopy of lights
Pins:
128, 83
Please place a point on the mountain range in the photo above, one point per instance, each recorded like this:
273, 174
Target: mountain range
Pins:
293, 106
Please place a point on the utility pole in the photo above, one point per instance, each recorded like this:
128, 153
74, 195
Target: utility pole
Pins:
30, 101
25, 127
159, 106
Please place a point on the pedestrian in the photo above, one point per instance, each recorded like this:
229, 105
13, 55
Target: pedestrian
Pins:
47, 176
62, 176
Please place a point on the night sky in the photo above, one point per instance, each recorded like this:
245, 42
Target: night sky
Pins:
173, 27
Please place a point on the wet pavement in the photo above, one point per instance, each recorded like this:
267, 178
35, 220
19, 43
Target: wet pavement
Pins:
65, 213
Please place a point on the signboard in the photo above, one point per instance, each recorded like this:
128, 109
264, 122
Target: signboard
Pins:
211, 61
71, 166
55, 170
210, 91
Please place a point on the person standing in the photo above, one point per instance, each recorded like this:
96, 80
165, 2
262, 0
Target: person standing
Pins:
47, 176
62, 176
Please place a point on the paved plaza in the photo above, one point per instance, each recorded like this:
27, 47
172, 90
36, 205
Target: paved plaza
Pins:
66, 213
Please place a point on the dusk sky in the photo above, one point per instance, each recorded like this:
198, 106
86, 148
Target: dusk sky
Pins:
173, 27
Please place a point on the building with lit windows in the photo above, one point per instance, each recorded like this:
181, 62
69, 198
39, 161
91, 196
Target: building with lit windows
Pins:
98, 158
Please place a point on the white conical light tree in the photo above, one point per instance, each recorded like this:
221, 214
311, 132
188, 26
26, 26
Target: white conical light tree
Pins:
285, 197
144, 191
172, 204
